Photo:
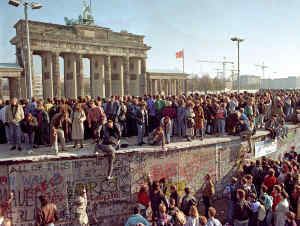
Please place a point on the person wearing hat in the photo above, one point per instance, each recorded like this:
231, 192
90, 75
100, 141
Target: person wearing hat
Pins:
110, 136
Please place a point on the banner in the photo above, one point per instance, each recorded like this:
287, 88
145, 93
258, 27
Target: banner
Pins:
263, 148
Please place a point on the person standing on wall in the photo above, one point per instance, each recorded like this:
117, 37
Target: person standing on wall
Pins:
14, 115
142, 122
77, 119
47, 215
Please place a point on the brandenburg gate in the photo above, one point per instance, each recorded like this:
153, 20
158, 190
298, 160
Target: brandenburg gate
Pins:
117, 59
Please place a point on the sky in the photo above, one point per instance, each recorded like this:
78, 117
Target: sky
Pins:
202, 28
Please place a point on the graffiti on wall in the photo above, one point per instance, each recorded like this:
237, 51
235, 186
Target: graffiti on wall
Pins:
181, 168
61, 181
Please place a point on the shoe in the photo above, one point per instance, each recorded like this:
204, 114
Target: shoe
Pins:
56, 152
19, 148
109, 178
74, 146
81, 146
30, 152
189, 139
140, 144
13, 148
35, 146
143, 142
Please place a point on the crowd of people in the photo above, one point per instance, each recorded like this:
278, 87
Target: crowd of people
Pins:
41, 122
262, 193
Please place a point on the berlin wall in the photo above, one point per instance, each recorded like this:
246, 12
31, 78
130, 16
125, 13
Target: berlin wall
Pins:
110, 202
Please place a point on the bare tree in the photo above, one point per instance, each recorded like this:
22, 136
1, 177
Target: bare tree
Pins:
206, 83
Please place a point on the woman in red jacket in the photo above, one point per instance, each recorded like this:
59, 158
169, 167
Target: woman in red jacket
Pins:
270, 180
143, 200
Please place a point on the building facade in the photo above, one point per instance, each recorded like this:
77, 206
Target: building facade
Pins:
167, 82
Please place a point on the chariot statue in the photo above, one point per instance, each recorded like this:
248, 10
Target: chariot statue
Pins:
86, 18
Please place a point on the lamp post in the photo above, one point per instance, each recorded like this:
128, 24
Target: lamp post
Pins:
32, 5
238, 40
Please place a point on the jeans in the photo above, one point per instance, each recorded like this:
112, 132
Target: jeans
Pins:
141, 132
240, 223
181, 128
261, 119
205, 126
15, 133
230, 205
7, 133
199, 132
221, 126
29, 140
110, 150
171, 127
168, 136
287, 111
61, 136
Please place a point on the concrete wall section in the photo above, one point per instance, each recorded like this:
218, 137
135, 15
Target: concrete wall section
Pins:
110, 202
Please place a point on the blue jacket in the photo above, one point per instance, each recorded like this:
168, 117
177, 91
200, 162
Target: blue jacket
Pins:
135, 219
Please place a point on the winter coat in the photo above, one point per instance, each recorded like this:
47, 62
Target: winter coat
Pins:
199, 117
18, 117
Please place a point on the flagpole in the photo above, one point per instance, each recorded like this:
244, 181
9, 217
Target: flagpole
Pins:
183, 61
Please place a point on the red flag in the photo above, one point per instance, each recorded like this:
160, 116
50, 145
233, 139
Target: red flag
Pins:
179, 54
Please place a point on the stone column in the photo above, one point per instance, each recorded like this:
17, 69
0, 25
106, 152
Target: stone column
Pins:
107, 68
22, 80
150, 86
126, 75
159, 86
143, 80
56, 75
167, 87
185, 86
153, 87
14, 90
177, 87
120, 69
70, 76
137, 71
79, 76
47, 73
97, 82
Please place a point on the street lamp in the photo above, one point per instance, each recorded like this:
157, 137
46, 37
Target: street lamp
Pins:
32, 5
238, 40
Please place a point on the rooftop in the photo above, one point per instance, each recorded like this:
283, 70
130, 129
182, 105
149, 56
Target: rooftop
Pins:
10, 66
166, 71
